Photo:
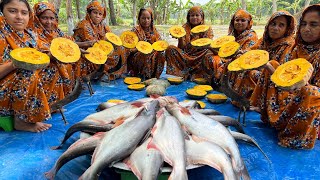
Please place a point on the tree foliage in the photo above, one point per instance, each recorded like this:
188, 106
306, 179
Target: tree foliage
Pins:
174, 11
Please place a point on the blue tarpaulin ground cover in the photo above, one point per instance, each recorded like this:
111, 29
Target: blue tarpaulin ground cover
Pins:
26, 155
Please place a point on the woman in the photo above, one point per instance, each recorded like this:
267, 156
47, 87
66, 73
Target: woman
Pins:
58, 77
278, 40
294, 114
308, 40
146, 65
240, 27
21, 92
187, 61
92, 29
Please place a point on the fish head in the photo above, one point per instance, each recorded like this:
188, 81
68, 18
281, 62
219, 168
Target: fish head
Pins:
153, 106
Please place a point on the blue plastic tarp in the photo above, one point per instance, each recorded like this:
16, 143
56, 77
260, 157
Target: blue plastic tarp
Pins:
26, 155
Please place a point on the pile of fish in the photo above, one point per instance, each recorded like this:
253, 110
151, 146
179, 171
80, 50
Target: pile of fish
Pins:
147, 132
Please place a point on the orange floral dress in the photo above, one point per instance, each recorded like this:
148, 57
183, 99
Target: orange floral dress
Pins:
86, 30
190, 62
58, 78
21, 91
265, 94
243, 82
147, 65
295, 115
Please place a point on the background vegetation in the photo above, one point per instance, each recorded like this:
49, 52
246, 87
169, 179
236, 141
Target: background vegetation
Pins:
169, 12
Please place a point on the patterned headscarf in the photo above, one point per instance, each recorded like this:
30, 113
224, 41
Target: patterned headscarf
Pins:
86, 30
195, 9
289, 35
151, 36
39, 8
240, 14
95, 5
35, 23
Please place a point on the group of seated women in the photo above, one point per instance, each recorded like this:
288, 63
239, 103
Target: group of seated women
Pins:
28, 95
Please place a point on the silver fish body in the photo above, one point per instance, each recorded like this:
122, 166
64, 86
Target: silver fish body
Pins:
208, 153
145, 163
168, 138
121, 141
203, 127
79, 148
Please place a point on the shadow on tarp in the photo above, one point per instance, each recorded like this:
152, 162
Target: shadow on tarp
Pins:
26, 155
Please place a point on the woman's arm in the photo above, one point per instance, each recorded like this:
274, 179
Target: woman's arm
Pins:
86, 44
6, 68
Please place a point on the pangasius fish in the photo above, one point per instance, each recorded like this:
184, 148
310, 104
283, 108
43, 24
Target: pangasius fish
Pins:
208, 153
168, 138
104, 120
163, 100
192, 104
248, 139
121, 141
207, 111
203, 127
145, 163
228, 121
79, 148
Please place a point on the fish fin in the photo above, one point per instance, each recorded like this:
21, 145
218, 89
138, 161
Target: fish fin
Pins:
154, 96
99, 135
151, 145
160, 113
196, 139
154, 128
137, 104
133, 168
118, 122
244, 173
185, 111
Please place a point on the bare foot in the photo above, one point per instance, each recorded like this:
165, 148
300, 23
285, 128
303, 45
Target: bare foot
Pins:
31, 127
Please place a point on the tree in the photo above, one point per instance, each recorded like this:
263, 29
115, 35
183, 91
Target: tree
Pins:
307, 3
78, 10
243, 4
274, 6
69, 16
112, 13
57, 4
134, 12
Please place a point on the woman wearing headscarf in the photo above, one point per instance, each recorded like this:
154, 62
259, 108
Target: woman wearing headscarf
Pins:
146, 65
294, 114
187, 61
92, 29
308, 40
278, 41
58, 77
21, 91
241, 28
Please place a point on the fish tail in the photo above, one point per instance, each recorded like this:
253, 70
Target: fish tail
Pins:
151, 145
245, 174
